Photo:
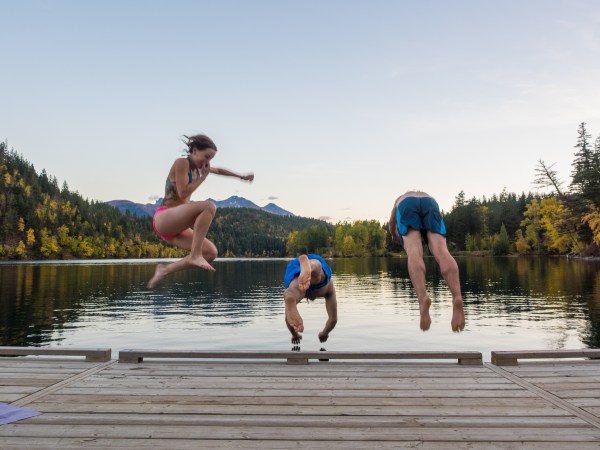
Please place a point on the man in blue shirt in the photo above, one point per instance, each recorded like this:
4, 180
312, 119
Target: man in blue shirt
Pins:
308, 276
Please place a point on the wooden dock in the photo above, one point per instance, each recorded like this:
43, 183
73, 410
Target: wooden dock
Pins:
291, 400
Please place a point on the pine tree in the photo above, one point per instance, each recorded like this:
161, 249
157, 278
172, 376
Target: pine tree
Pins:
584, 175
501, 242
594, 190
546, 176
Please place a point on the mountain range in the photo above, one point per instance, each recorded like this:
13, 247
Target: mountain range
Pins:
148, 209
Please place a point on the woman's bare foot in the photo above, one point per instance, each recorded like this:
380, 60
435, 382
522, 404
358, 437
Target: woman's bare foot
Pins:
159, 274
458, 316
424, 311
202, 263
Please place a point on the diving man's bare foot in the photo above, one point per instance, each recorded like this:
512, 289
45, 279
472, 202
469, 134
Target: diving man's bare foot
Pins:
159, 274
458, 316
424, 312
304, 277
293, 319
202, 263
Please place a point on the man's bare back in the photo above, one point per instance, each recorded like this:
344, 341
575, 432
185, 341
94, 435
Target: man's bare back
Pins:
411, 194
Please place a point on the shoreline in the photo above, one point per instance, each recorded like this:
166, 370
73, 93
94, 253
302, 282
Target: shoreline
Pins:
242, 258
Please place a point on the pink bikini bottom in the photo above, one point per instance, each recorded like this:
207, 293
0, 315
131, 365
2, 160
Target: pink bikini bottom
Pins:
158, 211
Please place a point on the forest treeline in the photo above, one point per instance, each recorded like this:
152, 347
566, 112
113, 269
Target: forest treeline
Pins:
39, 219
564, 221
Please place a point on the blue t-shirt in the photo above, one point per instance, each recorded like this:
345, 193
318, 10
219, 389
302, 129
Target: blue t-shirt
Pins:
293, 270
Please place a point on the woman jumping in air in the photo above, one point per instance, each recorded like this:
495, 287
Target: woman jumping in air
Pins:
182, 222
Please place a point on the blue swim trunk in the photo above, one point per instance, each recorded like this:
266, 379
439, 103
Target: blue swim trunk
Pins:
419, 213
293, 270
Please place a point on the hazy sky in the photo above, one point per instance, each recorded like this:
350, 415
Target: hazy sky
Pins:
337, 107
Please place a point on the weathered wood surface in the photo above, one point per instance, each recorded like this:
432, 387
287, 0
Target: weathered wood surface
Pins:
133, 356
274, 405
571, 382
510, 358
91, 354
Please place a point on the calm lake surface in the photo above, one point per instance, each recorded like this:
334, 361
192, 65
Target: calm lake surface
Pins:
510, 304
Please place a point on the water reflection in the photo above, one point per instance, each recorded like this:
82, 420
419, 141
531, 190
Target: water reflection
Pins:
538, 289
510, 303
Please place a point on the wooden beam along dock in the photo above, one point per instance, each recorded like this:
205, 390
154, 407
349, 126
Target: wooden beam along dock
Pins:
289, 400
133, 356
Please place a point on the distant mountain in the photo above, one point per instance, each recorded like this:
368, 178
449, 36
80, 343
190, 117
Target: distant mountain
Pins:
235, 202
240, 202
274, 209
135, 209
148, 209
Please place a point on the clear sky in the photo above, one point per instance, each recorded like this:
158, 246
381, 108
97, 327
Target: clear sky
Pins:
337, 107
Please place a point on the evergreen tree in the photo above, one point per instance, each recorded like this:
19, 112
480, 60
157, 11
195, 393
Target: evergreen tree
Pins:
594, 191
501, 243
465, 218
546, 176
586, 168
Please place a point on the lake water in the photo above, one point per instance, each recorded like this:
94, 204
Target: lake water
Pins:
510, 304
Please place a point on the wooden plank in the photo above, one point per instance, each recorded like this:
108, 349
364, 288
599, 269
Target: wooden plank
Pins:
41, 362
208, 378
586, 401
287, 371
35, 382
27, 375
4, 390
574, 393
595, 410
49, 370
419, 366
547, 367
304, 421
74, 401
283, 385
563, 378
210, 444
562, 386
228, 444
138, 355
241, 383
372, 409
91, 354
301, 372
510, 358
258, 392
350, 433
552, 373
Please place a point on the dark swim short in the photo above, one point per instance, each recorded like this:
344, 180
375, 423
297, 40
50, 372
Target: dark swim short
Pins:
419, 213
293, 270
